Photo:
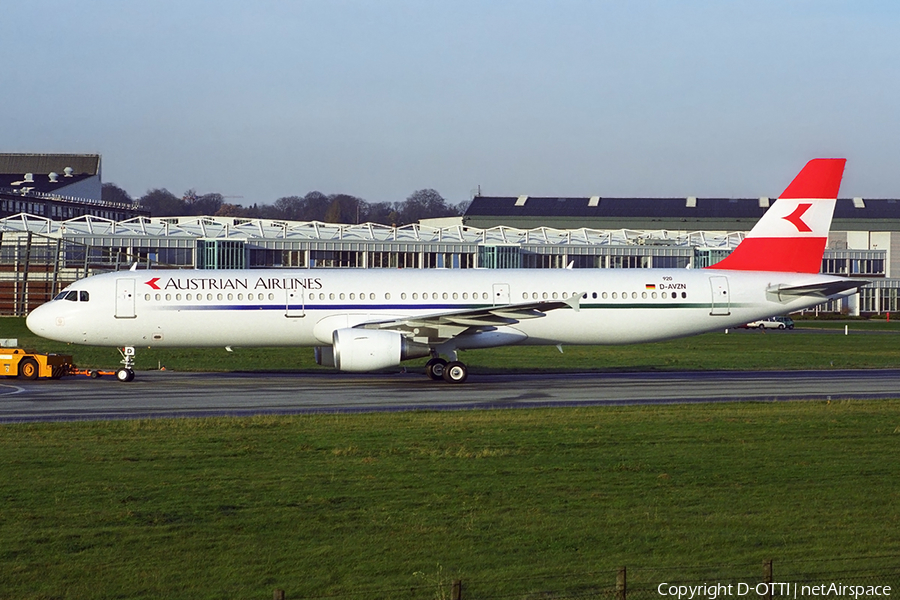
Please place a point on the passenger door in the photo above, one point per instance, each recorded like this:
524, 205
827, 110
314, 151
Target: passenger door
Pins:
721, 303
125, 299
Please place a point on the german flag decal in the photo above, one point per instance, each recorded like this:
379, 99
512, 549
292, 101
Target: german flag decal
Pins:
650, 286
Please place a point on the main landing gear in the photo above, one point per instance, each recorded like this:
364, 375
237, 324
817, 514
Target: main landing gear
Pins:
126, 372
451, 372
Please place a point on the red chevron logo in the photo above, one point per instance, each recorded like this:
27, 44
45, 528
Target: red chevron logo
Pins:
795, 220
152, 282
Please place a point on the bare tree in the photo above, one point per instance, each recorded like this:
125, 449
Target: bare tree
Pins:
110, 192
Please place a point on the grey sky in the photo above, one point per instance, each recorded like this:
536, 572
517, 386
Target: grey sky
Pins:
380, 98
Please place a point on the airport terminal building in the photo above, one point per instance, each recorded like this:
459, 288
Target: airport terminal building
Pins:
42, 251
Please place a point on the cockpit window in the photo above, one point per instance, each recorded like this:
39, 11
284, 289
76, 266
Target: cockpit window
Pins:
72, 296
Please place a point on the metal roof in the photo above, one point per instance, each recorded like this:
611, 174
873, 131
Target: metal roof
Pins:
266, 229
19, 164
662, 208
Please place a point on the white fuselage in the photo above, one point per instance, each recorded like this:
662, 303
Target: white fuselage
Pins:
303, 307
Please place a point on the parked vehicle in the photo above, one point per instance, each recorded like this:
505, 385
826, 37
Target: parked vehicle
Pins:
772, 323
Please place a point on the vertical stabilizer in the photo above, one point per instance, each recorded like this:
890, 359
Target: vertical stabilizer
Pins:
791, 235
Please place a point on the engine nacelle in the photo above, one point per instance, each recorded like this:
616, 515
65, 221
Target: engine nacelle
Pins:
368, 350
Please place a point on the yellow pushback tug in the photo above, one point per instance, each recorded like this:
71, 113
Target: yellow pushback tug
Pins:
16, 362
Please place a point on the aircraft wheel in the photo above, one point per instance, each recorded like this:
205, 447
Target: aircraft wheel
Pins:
28, 369
125, 375
434, 368
455, 372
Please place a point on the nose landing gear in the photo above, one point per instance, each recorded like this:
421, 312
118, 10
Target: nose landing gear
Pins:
126, 372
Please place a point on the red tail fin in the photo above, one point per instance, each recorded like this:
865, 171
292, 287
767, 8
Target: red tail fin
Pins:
791, 236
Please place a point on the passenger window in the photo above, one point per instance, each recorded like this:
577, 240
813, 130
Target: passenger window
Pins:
613, 295
83, 296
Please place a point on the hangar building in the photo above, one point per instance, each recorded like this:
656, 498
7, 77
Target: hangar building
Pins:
57, 186
49, 239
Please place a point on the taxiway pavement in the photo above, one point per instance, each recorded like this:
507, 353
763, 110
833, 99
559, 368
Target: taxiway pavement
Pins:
157, 394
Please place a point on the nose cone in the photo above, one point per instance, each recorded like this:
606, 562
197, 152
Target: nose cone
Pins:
42, 321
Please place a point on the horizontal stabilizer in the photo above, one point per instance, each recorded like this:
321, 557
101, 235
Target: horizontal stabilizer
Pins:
824, 289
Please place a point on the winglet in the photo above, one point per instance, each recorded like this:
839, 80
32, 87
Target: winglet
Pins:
574, 302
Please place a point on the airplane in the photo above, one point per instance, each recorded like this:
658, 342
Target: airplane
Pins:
368, 319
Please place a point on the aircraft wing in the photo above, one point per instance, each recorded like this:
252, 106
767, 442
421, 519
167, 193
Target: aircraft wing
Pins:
822, 290
438, 327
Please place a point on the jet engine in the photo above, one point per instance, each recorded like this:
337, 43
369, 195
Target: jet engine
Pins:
368, 350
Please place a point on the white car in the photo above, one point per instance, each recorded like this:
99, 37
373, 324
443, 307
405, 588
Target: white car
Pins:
772, 323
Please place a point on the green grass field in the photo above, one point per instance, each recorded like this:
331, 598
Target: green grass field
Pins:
512, 502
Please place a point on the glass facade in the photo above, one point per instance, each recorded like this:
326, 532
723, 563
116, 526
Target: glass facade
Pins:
221, 254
